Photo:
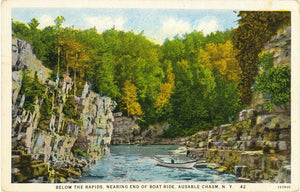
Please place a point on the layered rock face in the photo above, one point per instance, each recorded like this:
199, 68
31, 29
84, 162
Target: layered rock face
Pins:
257, 146
127, 131
53, 146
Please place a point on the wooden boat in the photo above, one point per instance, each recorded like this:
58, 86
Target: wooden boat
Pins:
185, 164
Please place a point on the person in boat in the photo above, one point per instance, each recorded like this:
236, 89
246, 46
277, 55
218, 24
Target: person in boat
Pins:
172, 161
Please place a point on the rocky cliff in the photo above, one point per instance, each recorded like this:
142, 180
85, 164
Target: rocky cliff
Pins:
257, 146
127, 131
49, 142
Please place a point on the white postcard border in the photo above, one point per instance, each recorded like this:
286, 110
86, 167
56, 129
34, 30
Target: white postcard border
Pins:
292, 5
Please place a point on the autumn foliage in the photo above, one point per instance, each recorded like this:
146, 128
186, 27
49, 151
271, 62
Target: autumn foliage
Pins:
192, 82
129, 99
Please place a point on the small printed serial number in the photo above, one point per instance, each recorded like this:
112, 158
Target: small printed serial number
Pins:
284, 186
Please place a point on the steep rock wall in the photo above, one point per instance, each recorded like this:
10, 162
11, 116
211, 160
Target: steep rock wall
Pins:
58, 145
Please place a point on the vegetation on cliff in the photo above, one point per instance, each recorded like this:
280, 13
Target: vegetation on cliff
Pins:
274, 82
255, 29
194, 82
33, 89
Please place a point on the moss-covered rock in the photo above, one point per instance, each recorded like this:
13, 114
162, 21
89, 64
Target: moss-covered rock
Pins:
27, 168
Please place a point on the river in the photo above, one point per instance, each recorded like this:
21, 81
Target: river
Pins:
135, 163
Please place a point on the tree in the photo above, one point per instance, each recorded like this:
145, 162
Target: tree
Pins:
33, 24
219, 37
59, 20
205, 85
174, 50
72, 56
33, 89
221, 57
129, 99
105, 77
222, 102
166, 89
192, 43
45, 47
70, 108
254, 30
21, 30
189, 82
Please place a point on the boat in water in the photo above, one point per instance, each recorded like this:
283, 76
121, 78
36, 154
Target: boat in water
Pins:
172, 163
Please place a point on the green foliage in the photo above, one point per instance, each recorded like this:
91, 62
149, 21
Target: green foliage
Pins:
203, 96
59, 20
44, 47
165, 81
33, 24
276, 83
219, 37
46, 108
266, 60
105, 81
174, 50
70, 108
269, 106
208, 100
188, 47
33, 89
46, 111
254, 30
21, 30
193, 83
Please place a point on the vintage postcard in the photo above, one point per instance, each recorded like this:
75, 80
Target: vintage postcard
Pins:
150, 95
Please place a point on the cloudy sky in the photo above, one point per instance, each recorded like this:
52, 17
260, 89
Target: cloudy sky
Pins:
157, 24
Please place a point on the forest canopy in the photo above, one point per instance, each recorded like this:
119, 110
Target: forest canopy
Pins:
193, 83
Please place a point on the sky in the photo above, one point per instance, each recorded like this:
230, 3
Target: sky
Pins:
156, 24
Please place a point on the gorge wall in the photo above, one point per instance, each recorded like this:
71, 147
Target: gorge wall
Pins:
53, 145
127, 131
257, 146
